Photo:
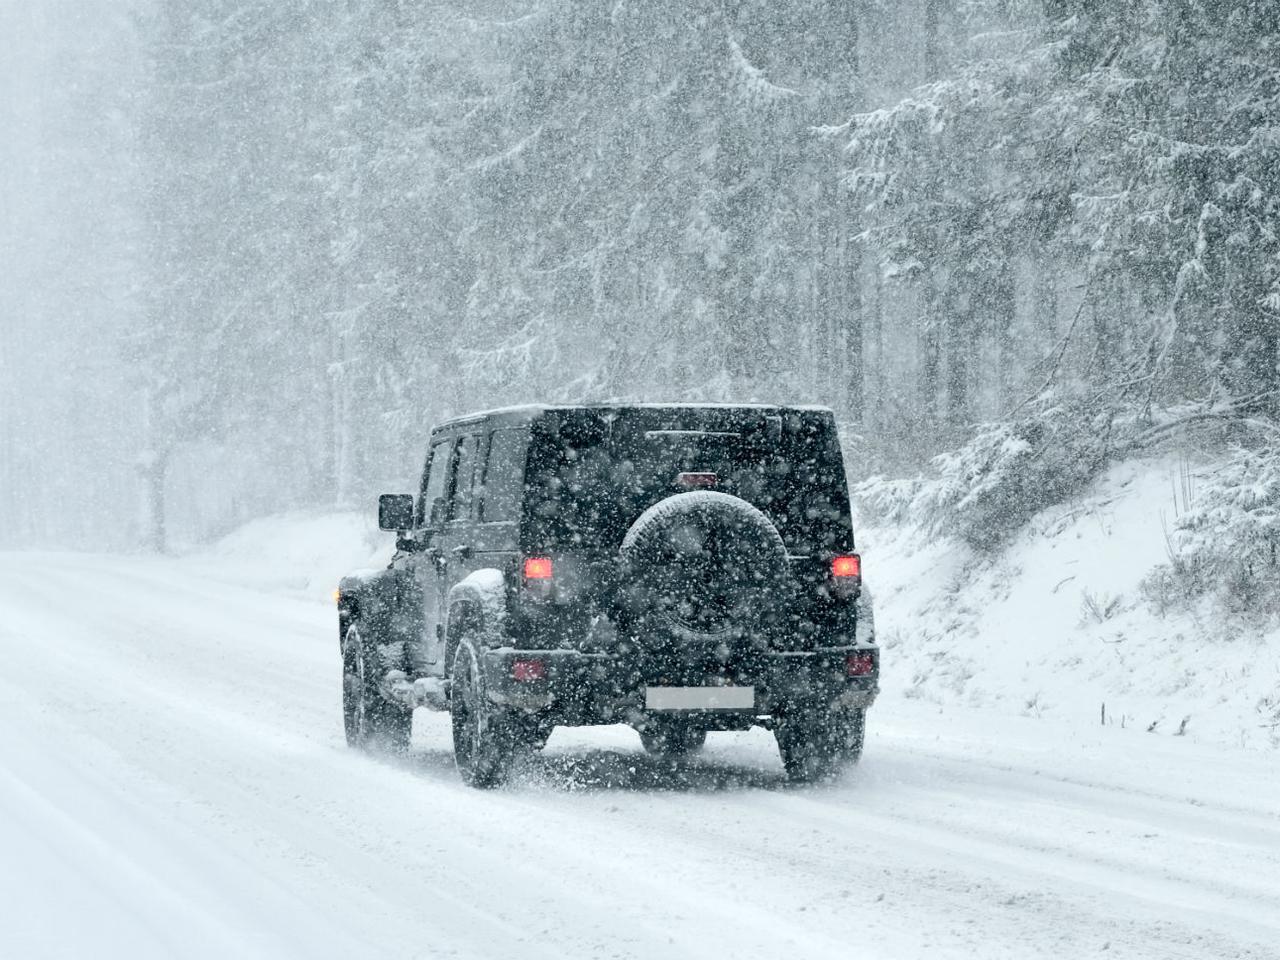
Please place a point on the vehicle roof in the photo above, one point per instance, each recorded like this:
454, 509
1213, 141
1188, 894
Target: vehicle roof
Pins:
526, 412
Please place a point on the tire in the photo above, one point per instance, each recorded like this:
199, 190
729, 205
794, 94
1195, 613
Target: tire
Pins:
703, 565
487, 740
816, 744
854, 734
672, 738
369, 721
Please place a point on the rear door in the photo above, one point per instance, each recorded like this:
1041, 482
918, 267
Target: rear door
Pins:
455, 543
430, 564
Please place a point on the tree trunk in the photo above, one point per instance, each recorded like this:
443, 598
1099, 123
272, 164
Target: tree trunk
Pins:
154, 473
876, 318
1046, 299
959, 348
849, 258
932, 66
821, 272
1003, 307
850, 247
854, 366
930, 348
340, 420
930, 332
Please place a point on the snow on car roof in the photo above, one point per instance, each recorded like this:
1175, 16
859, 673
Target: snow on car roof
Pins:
533, 409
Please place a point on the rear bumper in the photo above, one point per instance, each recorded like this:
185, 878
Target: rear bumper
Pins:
590, 688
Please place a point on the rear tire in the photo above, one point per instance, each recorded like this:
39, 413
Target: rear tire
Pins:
816, 744
854, 733
672, 738
369, 721
487, 740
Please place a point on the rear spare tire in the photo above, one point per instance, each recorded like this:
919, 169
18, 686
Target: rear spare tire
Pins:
703, 565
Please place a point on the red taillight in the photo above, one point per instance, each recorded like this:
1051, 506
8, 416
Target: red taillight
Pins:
846, 566
527, 671
860, 664
537, 568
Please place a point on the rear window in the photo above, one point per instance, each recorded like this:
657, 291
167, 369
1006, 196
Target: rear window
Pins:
591, 474
464, 471
499, 497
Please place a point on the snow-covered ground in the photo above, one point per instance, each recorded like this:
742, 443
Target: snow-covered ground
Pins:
1056, 625
302, 554
174, 783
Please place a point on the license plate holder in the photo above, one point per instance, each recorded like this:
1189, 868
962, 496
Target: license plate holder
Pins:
699, 698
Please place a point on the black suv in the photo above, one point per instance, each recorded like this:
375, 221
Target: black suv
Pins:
678, 568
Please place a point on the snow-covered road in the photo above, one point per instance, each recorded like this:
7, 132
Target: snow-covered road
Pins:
173, 783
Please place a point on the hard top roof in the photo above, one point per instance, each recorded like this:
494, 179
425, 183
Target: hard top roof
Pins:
525, 412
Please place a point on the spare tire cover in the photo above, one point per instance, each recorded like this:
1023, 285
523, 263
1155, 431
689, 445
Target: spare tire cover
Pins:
705, 564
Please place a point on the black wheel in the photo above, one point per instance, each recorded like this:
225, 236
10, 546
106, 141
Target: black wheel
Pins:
670, 737
487, 740
370, 722
853, 734
815, 744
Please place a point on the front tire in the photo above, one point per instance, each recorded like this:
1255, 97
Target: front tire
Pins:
369, 721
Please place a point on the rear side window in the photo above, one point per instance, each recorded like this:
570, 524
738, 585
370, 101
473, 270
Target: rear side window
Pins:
499, 496
464, 459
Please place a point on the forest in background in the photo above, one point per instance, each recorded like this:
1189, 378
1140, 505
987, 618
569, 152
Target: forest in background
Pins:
264, 244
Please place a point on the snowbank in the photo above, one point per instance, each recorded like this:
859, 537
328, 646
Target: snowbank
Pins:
1054, 625
303, 553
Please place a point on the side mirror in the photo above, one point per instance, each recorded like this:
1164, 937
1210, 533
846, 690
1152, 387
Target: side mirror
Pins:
395, 511
437, 511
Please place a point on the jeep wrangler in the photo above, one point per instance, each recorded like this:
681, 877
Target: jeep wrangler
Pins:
678, 568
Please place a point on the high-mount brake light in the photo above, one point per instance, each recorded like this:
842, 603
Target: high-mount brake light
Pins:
537, 568
860, 664
846, 566
697, 480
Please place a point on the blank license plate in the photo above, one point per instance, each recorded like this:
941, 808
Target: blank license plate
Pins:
699, 698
